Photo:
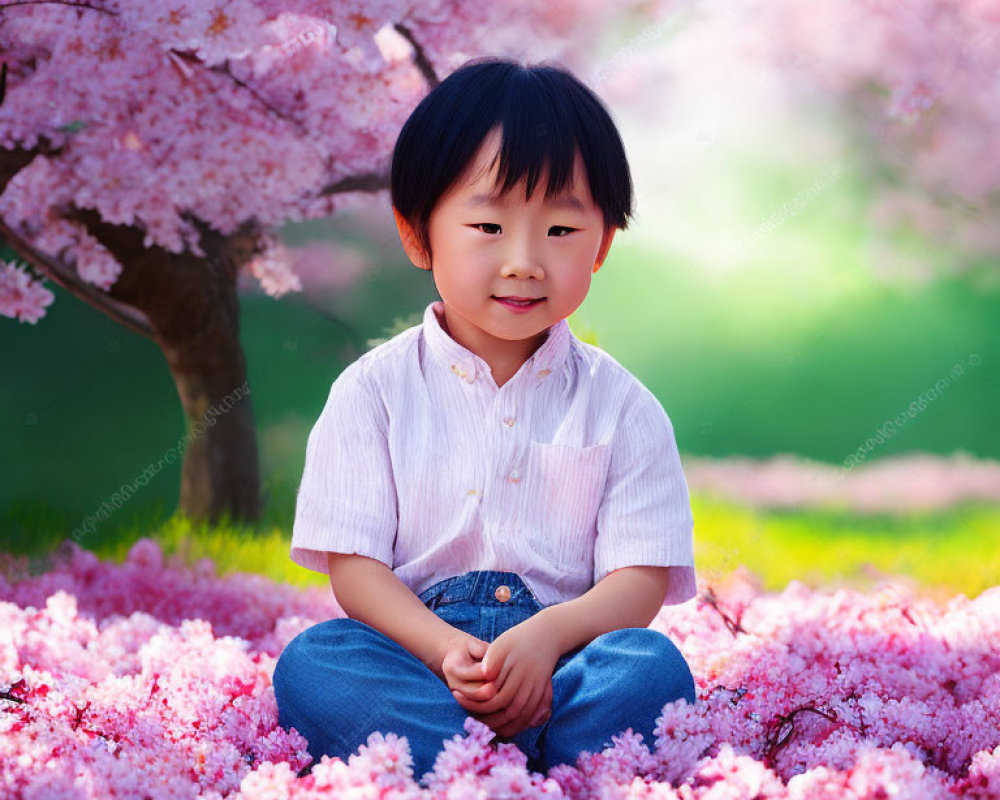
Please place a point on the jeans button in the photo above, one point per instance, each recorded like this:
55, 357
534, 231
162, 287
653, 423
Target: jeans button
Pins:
503, 593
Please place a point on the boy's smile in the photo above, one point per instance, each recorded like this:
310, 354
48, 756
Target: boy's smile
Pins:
490, 251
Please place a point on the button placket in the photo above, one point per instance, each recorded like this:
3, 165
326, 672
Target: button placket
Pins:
479, 478
514, 475
508, 441
509, 402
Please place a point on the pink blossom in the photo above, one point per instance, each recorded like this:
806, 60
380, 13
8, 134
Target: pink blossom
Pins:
152, 678
244, 111
917, 481
21, 297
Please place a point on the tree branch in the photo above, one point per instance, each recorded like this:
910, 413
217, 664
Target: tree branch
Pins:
12, 162
223, 69
134, 320
57, 3
363, 182
419, 56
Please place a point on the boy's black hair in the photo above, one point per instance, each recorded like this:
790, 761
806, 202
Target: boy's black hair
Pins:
546, 113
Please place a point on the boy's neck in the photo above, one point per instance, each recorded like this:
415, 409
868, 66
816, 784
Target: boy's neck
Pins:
505, 359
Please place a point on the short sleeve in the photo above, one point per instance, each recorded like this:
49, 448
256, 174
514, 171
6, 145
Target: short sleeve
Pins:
645, 516
347, 497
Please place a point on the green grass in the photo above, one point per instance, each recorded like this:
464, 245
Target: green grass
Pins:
947, 552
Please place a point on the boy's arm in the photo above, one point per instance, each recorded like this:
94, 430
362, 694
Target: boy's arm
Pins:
371, 593
629, 597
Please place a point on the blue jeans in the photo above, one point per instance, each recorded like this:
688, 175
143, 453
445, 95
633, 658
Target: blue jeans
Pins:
340, 680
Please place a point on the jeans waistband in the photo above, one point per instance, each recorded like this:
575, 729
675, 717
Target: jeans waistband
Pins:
481, 587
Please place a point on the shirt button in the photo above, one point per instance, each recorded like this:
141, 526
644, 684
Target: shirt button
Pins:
515, 476
542, 373
509, 421
503, 593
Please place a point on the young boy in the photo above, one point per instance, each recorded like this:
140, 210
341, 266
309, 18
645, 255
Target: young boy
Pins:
500, 506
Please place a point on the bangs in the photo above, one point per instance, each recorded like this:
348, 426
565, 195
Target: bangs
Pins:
540, 136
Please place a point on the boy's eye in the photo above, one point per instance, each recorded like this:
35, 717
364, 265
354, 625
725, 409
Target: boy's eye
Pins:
480, 225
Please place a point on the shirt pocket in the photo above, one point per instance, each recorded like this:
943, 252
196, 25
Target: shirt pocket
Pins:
568, 488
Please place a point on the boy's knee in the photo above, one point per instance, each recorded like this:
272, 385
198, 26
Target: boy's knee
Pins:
640, 644
674, 668
663, 664
285, 664
308, 654
297, 655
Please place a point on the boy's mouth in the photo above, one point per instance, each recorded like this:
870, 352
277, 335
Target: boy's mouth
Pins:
519, 301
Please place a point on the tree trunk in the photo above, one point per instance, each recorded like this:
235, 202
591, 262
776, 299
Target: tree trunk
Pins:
220, 473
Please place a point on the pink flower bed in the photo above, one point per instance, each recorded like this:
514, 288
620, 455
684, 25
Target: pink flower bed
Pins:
914, 482
150, 680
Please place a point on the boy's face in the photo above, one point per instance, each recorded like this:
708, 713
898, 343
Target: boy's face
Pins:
486, 247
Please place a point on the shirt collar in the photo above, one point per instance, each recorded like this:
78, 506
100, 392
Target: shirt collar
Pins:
468, 366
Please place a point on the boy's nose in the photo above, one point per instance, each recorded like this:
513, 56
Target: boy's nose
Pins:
522, 268
521, 259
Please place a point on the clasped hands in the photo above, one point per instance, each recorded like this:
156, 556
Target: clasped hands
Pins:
506, 684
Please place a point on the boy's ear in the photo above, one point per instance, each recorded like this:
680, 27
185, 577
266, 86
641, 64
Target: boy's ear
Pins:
411, 242
609, 234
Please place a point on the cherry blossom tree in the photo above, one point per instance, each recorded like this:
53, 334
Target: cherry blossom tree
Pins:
150, 150
918, 80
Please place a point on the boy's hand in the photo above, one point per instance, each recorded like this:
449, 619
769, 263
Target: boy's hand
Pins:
461, 668
519, 663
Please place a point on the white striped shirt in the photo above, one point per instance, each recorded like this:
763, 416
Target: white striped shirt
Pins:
566, 472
